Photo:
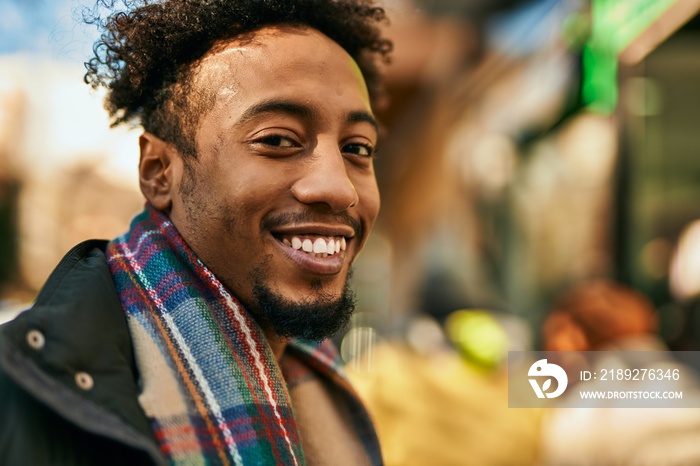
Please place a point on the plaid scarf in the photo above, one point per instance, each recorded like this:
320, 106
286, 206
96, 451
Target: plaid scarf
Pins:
210, 383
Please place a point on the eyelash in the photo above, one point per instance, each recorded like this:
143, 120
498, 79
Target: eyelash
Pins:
276, 139
371, 152
268, 141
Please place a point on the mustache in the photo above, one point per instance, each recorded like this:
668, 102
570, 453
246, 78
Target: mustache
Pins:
290, 218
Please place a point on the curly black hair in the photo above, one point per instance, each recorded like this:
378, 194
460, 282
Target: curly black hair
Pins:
147, 51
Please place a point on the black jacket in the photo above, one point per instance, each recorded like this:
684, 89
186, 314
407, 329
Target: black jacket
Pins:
68, 383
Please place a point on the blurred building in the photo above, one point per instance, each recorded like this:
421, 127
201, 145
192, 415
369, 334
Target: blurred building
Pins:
64, 175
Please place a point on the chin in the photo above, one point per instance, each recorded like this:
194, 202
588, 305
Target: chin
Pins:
319, 313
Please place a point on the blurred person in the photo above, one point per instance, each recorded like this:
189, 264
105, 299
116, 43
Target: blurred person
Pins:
200, 335
602, 315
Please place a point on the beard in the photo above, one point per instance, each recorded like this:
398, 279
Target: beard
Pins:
310, 319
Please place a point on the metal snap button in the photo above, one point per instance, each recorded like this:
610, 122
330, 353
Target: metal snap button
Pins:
35, 339
84, 380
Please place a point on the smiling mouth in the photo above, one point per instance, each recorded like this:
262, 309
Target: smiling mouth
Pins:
314, 245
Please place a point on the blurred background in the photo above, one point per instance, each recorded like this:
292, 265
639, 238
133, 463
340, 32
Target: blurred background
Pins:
530, 145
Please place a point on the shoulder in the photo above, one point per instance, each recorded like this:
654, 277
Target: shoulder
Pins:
83, 268
77, 302
75, 326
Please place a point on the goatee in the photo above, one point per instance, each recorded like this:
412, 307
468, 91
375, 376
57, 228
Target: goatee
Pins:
314, 319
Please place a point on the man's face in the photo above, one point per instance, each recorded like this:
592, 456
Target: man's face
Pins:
283, 192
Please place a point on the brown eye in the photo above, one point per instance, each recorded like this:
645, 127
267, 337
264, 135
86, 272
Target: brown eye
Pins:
277, 141
362, 150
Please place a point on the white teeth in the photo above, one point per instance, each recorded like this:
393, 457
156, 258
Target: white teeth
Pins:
320, 246
307, 245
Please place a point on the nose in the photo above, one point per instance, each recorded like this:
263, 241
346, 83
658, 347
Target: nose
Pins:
325, 180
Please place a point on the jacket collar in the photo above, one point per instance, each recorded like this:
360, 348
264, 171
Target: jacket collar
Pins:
72, 350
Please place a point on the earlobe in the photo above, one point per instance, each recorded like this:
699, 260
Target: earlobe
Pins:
157, 171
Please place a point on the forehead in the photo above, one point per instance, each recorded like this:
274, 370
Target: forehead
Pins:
290, 61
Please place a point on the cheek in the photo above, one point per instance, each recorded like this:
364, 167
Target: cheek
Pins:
368, 192
368, 207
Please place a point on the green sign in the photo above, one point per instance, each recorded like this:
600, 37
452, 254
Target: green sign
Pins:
616, 23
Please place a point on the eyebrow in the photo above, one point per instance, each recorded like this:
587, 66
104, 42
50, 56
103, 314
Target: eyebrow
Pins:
299, 110
359, 117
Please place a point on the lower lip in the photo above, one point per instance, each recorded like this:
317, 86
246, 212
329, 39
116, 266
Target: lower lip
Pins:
329, 265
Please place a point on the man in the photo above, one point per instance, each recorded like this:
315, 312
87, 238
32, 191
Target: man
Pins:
190, 339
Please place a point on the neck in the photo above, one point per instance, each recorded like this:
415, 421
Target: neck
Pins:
277, 343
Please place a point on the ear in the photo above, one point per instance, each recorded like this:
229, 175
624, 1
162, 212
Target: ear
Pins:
159, 171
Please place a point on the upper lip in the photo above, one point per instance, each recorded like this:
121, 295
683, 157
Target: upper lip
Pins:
316, 229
